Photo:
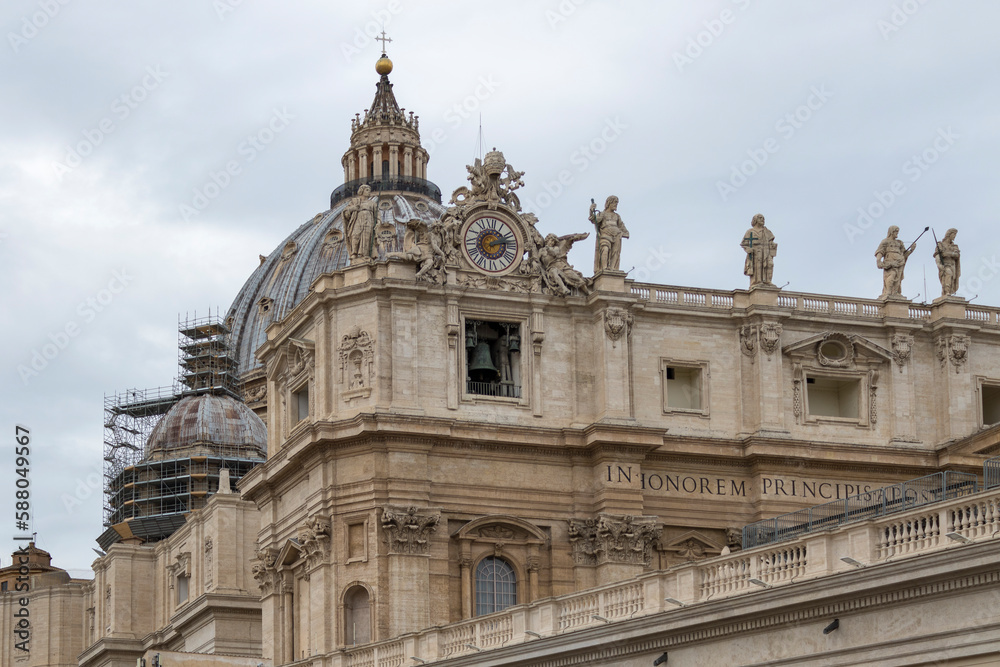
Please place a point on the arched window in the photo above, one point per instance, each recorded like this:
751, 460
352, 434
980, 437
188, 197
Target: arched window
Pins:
496, 586
357, 616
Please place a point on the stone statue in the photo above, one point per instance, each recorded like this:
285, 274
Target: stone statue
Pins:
422, 244
760, 247
534, 242
891, 257
610, 232
557, 273
946, 256
359, 223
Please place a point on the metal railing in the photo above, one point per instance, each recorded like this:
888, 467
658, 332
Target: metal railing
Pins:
502, 389
991, 473
384, 184
880, 502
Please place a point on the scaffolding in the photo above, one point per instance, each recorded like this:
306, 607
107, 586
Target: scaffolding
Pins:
137, 487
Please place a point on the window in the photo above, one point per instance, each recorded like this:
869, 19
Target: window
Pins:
834, 397
493, 358
496, 586
990, 397
182, 589
300, 405
3, 586
357, 616
685, 386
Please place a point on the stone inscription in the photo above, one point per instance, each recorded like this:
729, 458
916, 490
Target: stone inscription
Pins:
692, 484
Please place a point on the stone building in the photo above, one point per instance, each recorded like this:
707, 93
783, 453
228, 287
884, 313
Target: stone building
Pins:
477, 455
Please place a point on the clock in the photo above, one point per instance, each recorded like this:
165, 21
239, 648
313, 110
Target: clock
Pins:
491, 244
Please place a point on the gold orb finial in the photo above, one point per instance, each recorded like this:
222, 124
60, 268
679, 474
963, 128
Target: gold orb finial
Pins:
383, 66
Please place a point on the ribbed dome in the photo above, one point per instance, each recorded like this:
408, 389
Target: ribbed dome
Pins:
219, 425
317, 247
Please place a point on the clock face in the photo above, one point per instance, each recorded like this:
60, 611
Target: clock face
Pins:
491, 244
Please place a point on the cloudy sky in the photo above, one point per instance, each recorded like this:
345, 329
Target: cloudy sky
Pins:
835, 119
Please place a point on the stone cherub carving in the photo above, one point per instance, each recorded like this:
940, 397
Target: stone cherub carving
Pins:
559, 277
359, 223
422, 244
947, 258
760, 247
891, 257
610, 231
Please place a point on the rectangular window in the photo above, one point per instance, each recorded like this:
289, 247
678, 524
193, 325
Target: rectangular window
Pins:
834, 397
3, 586
300, 404
182, 589
685, 386
357, 542
991, 404
493, 358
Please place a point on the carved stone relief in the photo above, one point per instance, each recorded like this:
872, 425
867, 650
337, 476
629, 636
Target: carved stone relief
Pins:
617, 322
872, 391
835, 350
902, 345
953, 348
408, 529
748, 340
314, 540
264, 568
500, 284
301, 358
613, 539
357, 364
770, 336
209, 548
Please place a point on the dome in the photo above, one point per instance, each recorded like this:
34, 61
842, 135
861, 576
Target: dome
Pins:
284, 277
211, 424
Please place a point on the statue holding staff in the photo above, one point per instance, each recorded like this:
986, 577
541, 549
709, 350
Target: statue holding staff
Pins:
947, 258
610, 232
760, 247
891, 257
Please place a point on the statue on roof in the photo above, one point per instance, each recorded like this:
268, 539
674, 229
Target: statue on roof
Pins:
760, 247
947, 258
891, 257
557, 273
359, 224
610, 232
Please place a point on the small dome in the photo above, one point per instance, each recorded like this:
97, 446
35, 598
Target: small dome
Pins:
383, 65
210, 425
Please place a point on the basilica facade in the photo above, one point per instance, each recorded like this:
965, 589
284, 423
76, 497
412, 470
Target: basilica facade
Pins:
476, 454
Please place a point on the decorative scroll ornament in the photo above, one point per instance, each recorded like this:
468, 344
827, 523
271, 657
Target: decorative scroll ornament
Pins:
407, 529
301, 357
614, 539
748, 340
264, 568
617, 321
770, 336
357, 363
902, 345
314, 540
835, 350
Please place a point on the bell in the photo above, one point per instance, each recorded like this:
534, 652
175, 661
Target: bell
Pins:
481, 368
514, 343
470, 339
